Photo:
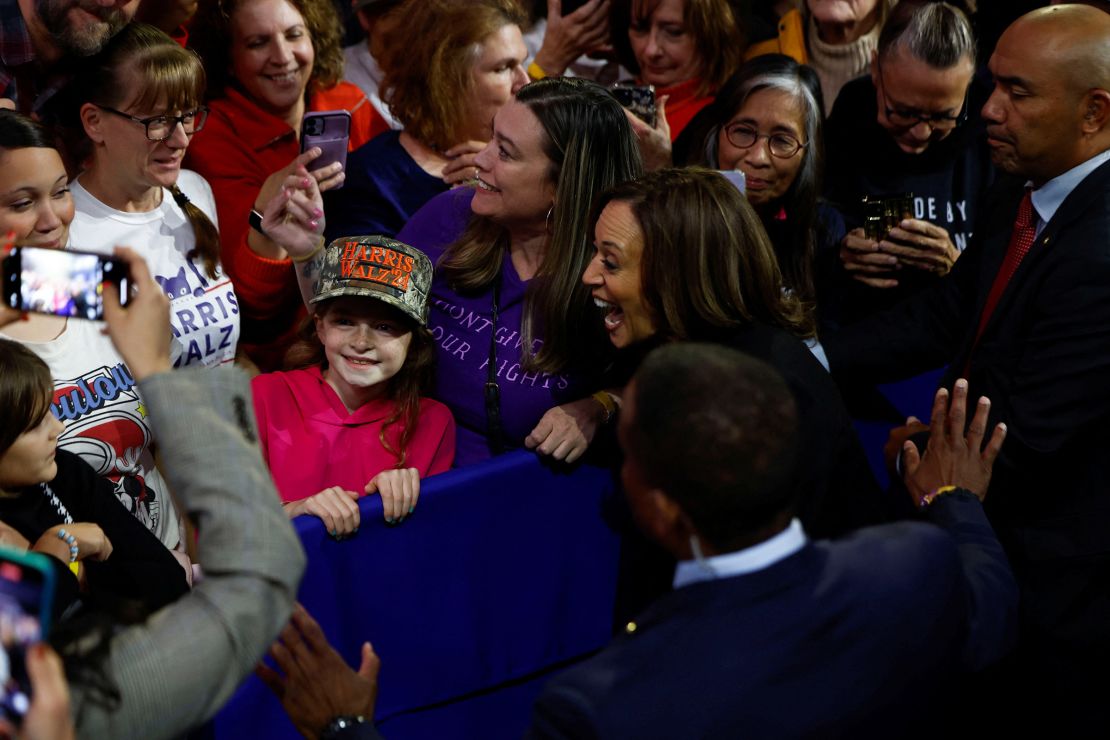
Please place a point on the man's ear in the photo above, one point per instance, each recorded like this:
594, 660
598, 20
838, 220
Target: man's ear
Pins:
1096, 114
669, 524
92, 118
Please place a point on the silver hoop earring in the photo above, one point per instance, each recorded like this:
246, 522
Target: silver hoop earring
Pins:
547, 221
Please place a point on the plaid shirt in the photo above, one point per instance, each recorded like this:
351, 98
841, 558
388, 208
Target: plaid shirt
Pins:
20, 80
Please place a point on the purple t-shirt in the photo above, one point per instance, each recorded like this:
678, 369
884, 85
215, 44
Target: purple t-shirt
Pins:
462, 328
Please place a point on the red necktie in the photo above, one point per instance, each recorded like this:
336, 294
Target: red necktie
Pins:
1021, 239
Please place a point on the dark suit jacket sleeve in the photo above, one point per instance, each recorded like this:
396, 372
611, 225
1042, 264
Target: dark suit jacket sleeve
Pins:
990, 591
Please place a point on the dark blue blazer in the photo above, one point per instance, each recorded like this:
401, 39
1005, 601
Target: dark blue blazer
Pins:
846, 638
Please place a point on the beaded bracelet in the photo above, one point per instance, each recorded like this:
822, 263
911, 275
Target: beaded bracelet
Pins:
71, 541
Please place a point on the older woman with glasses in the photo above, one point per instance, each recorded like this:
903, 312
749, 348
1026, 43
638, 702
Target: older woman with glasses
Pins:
141, 106
766, 123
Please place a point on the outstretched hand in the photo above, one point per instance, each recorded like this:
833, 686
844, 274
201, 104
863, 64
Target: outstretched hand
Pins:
953, 458
317, 685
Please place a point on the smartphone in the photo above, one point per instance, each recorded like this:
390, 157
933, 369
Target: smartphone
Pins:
26, 598
883, 213
736, 177
640, 99
62, 282
331, 131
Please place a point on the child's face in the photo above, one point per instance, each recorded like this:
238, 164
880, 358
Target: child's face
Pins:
30, 459
365, 342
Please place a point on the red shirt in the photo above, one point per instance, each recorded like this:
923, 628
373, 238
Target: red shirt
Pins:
311, 442
238, 148
683, 104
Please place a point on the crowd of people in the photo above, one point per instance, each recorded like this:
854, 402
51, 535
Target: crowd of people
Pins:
821, 196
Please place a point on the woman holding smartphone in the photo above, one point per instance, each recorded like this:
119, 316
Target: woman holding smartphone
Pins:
268, 63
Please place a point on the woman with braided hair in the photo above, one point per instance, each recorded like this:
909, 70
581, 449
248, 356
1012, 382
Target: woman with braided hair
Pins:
141, 103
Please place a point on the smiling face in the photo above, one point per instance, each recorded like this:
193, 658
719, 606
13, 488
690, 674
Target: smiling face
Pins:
497, 74
271, 54
663, 45
907, 87
35, 202
30, 459
768, 112
365, 343
614, 275
515, 187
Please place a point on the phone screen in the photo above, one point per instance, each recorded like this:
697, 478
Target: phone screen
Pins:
60, 282
25, 590
639, 99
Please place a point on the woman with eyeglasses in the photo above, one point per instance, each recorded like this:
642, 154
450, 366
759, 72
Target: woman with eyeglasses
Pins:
766, 123
141, 106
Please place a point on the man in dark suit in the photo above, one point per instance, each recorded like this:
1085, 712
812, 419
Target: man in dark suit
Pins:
768, 634
1025, 316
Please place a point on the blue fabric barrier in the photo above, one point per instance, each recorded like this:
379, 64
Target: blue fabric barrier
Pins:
505, 571
912, 397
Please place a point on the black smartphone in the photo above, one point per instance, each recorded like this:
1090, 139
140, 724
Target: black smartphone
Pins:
61, 282
26, 597
330, 130
640, 99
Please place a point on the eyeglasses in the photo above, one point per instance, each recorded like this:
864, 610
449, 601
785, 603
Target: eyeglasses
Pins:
783, 146
908, 117
160, 128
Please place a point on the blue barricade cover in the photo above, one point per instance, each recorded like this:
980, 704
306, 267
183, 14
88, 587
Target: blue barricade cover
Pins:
505, 569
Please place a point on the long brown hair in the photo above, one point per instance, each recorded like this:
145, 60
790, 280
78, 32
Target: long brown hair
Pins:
718, 36
591, 147
405, 389
166, 75
707, 266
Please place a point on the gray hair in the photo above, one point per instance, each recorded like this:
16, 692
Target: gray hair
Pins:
938, 34
793, 84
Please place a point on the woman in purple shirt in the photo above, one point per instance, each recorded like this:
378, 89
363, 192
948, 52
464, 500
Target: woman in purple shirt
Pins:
520, 347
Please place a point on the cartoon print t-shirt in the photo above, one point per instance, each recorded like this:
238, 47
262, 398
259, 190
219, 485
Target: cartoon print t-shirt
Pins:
106, 422
204, 311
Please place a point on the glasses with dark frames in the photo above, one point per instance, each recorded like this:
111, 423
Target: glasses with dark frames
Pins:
908, 118
160, 128
743, 136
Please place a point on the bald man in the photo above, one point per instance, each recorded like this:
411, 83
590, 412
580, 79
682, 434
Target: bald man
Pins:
1031, 330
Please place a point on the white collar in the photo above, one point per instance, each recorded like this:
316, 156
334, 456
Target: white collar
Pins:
749, 560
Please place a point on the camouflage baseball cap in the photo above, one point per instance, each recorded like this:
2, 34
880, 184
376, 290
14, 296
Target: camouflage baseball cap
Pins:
377, 267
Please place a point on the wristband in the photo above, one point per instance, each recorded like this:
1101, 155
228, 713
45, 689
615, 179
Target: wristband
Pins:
606, 400
255, 220
341, 723
315, 251
929, 498
536, 72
